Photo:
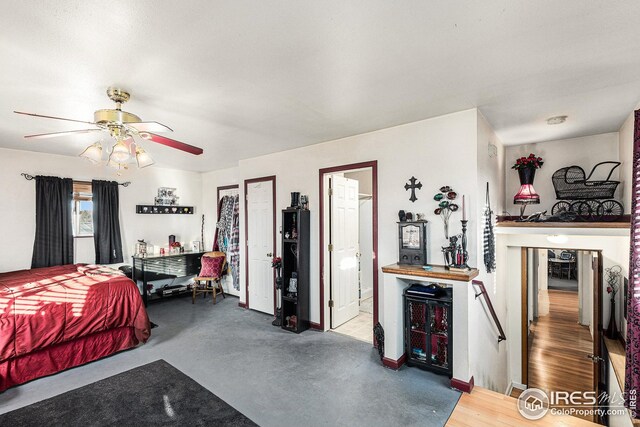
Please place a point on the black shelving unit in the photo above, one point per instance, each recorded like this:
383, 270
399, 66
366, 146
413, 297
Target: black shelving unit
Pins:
295, 262
428, 330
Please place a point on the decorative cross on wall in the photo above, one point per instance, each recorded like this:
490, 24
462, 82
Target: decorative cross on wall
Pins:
413, 187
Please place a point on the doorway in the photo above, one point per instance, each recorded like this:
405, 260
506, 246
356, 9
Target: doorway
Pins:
562, 297
260, 227
348, 246
230, 282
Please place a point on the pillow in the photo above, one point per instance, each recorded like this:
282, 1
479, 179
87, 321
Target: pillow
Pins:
211, 266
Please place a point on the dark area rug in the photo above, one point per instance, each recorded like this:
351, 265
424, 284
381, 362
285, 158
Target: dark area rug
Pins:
156, 394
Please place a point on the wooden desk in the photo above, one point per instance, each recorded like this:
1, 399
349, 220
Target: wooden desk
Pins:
159, 267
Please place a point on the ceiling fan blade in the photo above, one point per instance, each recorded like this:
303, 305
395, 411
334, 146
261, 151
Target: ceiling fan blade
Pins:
171, 143
52, 117
149, 127
55, 134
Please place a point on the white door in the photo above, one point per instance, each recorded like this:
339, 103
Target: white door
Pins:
344, 231
260, 235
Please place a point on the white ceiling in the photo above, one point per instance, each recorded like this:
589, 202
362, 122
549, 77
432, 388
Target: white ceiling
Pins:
243, 78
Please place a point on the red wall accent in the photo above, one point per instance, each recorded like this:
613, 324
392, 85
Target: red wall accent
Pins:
315, 326
394, 364
463, 386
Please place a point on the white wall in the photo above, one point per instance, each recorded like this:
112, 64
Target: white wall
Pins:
488, 357
17, 206
366, 248
625, 148
210, 183
618, 420
402, 151
543, 269
585, 152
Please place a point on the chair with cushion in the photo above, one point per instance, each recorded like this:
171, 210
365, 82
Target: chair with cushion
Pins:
208, 281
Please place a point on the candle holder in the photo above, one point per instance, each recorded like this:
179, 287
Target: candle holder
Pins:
456, 255
464, 255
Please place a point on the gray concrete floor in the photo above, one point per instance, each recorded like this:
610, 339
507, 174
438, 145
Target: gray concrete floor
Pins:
272, 376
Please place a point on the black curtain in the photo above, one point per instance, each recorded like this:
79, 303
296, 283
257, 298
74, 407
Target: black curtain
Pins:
54, 236
106, 223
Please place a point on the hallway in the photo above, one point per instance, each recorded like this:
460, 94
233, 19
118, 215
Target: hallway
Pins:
559, 345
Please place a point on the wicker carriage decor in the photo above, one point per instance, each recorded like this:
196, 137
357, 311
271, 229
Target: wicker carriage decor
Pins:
588, 200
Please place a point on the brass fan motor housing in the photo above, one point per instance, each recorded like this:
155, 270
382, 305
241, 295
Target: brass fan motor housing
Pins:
105, 117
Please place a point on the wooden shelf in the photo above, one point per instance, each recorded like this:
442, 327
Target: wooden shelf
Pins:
519, 224
163, 210
438, 272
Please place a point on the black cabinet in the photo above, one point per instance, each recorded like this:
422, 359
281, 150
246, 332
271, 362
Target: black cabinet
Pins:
295, 269
412, 237
428, 329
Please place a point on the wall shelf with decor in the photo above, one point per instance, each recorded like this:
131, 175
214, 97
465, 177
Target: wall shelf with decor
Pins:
295, 269
164, 210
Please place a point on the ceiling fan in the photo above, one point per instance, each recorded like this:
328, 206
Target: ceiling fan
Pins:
122, 127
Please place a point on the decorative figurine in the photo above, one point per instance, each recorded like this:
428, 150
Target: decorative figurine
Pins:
295, 199
304, 201
402, 216
293, 283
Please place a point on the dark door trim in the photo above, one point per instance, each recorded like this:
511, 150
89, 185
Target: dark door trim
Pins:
374, 190
222, 188
271, 178
597, 312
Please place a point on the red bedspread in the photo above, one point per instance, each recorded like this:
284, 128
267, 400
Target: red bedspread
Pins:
44, 310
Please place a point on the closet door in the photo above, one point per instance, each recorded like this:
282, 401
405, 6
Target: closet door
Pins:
227, 282
260, 244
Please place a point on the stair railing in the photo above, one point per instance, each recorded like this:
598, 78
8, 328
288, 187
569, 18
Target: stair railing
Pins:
487, 299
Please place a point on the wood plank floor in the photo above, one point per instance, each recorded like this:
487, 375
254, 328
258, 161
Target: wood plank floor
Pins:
559, 345
484, 407
558, 352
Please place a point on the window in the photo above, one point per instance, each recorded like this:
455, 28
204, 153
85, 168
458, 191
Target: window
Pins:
82, 209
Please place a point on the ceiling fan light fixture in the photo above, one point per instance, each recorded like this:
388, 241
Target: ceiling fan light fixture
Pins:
143, 158
93, 153
119, 152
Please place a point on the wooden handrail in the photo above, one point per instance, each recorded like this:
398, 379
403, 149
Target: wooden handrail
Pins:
483, 291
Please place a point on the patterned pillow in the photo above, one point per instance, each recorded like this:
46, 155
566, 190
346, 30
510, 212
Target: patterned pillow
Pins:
211, 266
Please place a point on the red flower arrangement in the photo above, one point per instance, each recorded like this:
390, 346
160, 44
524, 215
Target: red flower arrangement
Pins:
276, 262
175, 245
532, 161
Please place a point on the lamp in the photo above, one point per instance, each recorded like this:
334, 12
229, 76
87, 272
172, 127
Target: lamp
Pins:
143, 158
93, 153
526, 196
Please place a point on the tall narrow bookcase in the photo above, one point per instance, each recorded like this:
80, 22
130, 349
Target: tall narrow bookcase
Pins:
295, 262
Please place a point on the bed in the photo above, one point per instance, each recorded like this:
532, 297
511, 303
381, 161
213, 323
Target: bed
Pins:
55, 318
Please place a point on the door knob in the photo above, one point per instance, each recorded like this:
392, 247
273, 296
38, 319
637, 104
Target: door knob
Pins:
270, 255
594, 358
